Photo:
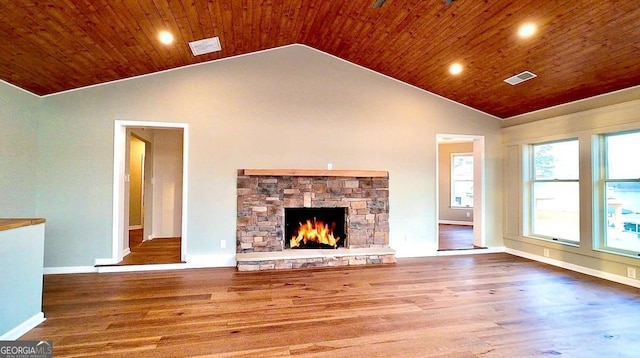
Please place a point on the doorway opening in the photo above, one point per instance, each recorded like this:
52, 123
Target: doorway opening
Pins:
460, 192
150, 193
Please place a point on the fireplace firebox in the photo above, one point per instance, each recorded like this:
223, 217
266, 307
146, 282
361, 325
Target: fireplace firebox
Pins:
315, 228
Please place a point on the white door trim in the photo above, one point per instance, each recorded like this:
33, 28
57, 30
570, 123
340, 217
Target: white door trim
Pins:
119, 139
479, 237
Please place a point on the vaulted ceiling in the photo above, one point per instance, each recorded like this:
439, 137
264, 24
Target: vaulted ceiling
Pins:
582, 48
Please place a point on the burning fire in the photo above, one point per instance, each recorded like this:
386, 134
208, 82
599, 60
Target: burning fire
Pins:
316, 231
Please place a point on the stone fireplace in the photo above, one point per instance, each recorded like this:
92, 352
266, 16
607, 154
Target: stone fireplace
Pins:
355, 222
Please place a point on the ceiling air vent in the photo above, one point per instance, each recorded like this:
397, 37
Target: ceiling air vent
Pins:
201, 47
520, 77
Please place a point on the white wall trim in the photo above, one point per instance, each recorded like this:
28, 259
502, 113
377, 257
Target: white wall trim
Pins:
135, 227
126, 252
218, 260
455, 222
132, 268
104, 261
193, 261
24, 327
489, 250
69, 269
572, 267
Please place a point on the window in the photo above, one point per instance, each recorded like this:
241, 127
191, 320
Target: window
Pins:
554, 193
462, 180
621, 191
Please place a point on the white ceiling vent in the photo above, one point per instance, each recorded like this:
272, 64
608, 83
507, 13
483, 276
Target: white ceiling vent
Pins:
520, 77
201, 47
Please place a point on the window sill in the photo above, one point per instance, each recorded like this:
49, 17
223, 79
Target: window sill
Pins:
557, 241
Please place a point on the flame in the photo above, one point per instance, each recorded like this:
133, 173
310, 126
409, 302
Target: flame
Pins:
316, 231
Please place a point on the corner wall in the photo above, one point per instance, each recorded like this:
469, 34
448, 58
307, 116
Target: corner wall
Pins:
585, 126
18, 151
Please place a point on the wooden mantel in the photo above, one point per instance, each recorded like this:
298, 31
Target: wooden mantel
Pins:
317, 173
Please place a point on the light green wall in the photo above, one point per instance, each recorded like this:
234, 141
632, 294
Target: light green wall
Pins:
18, 153
21, 256
292, 107
584, 126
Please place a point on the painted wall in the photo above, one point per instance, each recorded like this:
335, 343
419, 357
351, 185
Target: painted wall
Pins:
585, 126
18, 151
136, 164
445, 212
167, 183
292, 107
21, 257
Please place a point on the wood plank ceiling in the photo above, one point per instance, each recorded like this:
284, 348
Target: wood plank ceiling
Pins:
582, 48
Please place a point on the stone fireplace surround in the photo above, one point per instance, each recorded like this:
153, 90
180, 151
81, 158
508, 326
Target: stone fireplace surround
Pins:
264, 193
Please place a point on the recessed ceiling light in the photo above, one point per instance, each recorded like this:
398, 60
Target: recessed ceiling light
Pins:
527, 30
455, 69
165, 37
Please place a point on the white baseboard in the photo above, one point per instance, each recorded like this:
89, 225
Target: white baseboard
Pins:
219, 260
23, 327
410, 249
68, 269
132, 268
585, 270
126, 252
101, 262
455, 222
148, 238
193, 261
488, 250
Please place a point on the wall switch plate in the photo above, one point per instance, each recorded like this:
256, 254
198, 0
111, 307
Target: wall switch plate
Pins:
546, 252
223, 244
631, 272
329, 166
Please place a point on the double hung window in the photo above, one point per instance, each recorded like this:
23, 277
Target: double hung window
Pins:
554, 191
462, 180
621, 192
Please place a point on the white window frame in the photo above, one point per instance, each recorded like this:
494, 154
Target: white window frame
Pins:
452, 181
529, 202
600, 214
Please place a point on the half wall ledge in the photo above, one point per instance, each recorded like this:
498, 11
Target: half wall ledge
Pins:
291, 259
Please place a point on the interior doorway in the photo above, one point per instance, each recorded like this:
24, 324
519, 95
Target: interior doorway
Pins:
150, 193
460, 192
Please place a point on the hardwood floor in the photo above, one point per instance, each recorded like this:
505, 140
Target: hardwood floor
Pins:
156, 251
455, 237
493, 305
135, 237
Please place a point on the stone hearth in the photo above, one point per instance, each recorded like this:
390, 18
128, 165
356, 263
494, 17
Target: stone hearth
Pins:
264, 194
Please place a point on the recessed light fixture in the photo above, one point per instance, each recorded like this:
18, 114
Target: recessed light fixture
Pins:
455, 69
527, 30
165, 37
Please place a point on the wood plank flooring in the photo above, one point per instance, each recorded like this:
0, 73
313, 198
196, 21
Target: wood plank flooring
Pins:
493, 305
455, 237
157, 251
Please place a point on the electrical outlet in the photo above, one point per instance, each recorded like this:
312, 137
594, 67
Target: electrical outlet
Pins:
329, 166
223, 244
546, 252
631, 272
468, 214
